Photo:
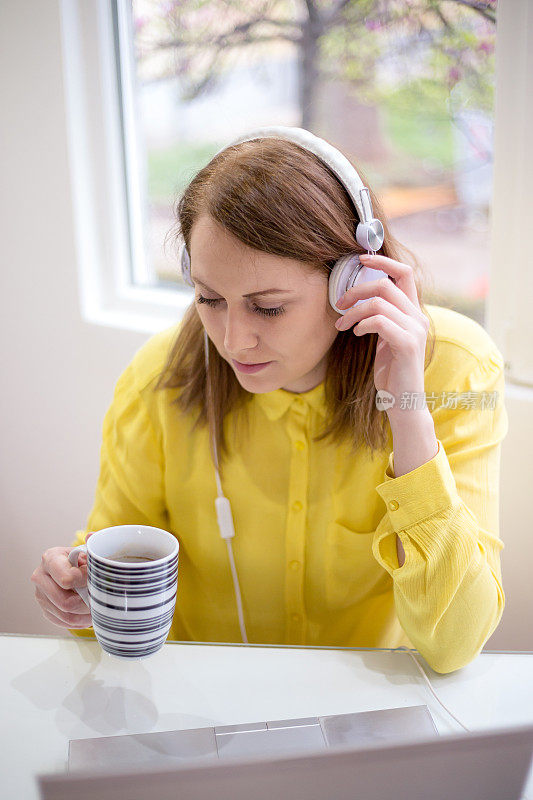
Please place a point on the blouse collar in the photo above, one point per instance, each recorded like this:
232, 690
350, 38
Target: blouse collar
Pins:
276, 403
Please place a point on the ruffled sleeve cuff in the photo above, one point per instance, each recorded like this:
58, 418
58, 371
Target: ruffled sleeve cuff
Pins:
418, 494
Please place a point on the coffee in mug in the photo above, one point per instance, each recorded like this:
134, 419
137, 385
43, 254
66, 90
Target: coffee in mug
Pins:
125, 558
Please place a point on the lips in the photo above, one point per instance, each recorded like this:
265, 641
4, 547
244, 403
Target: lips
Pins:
250, 367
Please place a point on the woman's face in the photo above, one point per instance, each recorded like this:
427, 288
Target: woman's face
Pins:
292, 329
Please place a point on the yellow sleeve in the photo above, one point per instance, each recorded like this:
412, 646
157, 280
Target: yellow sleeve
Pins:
448, 593
130, 488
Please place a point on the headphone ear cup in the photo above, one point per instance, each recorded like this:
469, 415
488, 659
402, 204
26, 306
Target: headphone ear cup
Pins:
340, 279
349, 272
367, 274
185, 265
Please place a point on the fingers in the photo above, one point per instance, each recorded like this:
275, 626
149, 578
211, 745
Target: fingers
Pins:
55, 562
381, 288
403, 274
56, 579
78, 624
59, 617
398, 339
52, 618
376, 305
68, 601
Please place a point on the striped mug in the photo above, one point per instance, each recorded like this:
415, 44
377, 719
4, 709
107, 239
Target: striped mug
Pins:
132, 578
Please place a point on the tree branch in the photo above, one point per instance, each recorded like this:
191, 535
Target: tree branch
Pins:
480, 7
227, 39
224, 40
333, 15
438, 13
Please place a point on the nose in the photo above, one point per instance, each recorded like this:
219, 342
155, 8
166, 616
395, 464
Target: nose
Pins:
240, 335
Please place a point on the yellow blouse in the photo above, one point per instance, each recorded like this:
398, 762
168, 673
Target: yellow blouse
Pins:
315, 543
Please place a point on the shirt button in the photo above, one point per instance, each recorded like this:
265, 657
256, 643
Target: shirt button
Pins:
299, 445
294, 565
393, 505
297, 506
295, 618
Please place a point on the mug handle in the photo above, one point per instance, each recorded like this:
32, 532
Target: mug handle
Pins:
73, 558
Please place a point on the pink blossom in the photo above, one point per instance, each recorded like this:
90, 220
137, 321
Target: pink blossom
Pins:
373, 24
454, 74
487, 47
479, 288
140, 22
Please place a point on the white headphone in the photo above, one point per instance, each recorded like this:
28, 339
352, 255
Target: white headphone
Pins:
346, 273
348, 270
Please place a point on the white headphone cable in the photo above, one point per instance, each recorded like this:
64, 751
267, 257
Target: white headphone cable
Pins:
223, 509
437, 698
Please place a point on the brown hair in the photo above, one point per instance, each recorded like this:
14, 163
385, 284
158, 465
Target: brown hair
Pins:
277, 197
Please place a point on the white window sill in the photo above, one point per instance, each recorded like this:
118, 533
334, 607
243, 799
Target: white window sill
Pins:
138, 309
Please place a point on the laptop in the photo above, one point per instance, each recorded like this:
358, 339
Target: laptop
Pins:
361, 756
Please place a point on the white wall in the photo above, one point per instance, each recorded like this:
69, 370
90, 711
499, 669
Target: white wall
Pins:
58, 373
515, 631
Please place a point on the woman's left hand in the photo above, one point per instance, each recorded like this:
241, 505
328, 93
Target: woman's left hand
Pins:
393, 313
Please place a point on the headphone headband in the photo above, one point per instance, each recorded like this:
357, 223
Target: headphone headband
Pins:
369, 232
333, 158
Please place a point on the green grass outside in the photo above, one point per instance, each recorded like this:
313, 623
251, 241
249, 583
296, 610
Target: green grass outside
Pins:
416, 122
170, 169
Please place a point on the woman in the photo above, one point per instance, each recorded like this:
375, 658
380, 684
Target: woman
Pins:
354, 526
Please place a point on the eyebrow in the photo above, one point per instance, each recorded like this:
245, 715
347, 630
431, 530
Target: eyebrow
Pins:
252, 294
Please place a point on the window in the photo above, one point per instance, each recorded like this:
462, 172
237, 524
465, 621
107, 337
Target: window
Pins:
420, 125
155, 89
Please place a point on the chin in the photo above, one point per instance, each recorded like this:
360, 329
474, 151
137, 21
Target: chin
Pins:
257, 384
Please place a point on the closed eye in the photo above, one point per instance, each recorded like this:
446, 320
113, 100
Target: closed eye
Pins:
267, 312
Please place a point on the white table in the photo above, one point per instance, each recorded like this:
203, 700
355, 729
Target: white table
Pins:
58, 688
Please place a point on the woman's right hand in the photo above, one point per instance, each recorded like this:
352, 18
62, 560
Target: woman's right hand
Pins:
55, 578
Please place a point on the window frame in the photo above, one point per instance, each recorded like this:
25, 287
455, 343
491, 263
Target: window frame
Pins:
105, 198
509, 317
105, 204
